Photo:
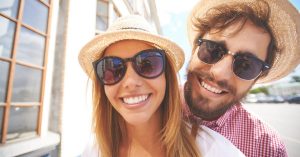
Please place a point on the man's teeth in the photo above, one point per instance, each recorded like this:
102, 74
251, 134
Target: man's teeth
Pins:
135, 100
210, 88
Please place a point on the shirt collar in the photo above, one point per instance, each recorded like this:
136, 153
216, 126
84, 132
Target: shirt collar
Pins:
223, 119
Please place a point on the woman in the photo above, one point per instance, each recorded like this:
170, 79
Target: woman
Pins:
136, 106
136, 102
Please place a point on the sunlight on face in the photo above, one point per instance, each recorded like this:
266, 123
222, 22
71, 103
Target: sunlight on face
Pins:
136, 98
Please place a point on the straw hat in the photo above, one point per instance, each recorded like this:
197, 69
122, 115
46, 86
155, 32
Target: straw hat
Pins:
129, 27
285, 24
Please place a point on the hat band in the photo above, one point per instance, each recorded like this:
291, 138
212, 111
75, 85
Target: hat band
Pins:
134, 28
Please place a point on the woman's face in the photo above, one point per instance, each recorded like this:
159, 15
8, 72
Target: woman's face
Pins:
135, 98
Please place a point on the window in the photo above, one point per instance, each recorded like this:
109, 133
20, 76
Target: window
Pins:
106, 11
102, 15
23, 58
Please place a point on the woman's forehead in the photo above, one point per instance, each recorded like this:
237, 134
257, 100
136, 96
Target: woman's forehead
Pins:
126, 48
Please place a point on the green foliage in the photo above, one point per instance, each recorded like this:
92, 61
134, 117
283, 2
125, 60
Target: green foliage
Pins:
259, 90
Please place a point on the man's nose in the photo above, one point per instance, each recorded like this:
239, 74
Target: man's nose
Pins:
222, 70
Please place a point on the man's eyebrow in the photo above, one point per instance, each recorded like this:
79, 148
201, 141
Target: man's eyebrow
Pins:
248, 53
220, 42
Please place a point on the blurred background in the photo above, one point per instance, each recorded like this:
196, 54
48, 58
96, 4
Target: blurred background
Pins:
45, 99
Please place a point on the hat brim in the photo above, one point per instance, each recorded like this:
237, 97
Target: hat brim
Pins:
285, 24
94, 49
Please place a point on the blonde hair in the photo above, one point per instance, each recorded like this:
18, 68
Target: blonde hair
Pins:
109, 126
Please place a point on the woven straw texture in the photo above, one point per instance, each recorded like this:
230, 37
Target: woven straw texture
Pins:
132, 27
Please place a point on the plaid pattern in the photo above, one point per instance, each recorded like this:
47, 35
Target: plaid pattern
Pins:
249, 134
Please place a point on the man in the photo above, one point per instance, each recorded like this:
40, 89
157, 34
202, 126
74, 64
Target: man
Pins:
237, 43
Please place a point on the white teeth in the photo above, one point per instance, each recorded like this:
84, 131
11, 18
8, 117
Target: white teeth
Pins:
135, 100
210, 88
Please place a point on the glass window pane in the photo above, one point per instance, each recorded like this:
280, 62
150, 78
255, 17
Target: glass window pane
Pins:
101, 23
1, 120
35, 14
102, 8
102, 15
31, 47
26, 85
7, 31
9, 7
4, 66
22, 122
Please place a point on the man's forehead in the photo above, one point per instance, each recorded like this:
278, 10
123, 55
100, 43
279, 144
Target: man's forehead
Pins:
234, 28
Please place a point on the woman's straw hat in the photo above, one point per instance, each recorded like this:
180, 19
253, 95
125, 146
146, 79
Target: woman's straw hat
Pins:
129, 27
285, 24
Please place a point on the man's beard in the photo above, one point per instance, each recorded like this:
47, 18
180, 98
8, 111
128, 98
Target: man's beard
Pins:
193, 102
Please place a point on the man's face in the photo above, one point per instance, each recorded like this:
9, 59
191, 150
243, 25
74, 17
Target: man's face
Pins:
213, 88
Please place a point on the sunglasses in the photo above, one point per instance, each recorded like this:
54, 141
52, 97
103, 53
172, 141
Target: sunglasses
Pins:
245, 65
148, 63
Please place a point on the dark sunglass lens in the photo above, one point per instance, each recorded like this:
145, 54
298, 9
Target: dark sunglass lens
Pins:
246, 67
110, 70
149, 64
210, 52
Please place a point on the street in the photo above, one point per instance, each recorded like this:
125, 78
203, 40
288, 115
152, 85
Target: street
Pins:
284, 118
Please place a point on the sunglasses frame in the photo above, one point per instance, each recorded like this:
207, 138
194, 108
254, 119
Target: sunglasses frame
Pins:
265, 66
133, 64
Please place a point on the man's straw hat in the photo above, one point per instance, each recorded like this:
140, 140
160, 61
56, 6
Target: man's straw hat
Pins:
131, 27
285, 24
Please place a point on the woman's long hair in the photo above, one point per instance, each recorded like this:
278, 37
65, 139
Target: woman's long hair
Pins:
110, 127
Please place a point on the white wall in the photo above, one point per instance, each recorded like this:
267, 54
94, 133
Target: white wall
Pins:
75, 109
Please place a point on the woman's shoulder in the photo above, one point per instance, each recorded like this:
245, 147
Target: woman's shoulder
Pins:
213, 144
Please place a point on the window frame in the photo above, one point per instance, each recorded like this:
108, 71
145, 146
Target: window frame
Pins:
110, 7
103, 16
13, 62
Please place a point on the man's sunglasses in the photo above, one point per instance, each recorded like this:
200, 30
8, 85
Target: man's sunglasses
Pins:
148, 63
245, 65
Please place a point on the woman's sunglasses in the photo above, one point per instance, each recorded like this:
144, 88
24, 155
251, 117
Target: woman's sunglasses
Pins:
148, 63
245, 65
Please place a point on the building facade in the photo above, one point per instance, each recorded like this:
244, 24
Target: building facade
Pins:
45, 103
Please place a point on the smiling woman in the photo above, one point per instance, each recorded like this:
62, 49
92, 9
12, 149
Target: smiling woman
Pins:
136, 112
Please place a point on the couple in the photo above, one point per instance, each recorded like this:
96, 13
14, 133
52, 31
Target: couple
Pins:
137, 109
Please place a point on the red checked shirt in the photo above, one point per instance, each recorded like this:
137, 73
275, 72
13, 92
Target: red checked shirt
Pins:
249, 134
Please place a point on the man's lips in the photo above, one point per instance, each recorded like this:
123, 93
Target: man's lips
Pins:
210, 87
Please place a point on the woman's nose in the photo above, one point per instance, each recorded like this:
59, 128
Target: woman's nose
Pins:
131, 79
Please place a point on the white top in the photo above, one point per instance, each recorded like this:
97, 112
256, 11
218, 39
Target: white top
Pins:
213, 144
210, 143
